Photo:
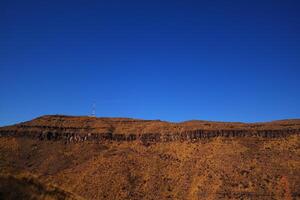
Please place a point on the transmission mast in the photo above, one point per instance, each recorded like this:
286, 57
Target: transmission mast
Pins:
93, 114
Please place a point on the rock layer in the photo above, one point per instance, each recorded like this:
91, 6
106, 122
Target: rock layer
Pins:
80, 129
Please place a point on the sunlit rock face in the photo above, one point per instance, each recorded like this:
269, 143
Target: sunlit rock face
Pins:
78, 129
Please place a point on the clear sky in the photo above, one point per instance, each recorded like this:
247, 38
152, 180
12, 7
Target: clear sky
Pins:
159, 59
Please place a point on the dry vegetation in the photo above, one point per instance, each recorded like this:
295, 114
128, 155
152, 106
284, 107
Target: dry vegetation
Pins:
216, 168
25, 186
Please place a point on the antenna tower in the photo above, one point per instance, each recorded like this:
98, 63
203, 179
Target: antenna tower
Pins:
93, 114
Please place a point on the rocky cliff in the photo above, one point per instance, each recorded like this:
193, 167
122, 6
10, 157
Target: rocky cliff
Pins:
79, 129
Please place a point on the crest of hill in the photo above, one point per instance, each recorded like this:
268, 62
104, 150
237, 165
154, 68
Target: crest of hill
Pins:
130, 125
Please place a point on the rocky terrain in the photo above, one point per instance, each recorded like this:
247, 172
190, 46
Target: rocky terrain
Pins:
122, 158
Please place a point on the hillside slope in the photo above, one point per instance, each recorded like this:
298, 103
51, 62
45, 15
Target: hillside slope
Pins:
24, 186
239, 165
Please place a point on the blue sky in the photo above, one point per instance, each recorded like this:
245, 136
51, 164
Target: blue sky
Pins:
169, 60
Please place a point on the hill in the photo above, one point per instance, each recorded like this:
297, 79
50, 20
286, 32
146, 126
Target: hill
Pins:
122, 158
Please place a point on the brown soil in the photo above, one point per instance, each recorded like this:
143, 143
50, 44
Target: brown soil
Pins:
223, 161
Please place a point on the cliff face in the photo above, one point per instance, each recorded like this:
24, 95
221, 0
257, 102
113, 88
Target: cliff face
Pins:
120, 158
78, 129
